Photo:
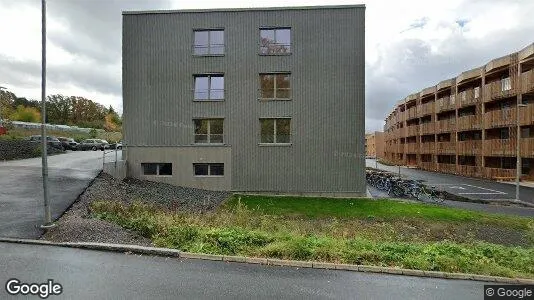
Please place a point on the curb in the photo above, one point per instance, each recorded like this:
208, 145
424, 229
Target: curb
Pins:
269, 261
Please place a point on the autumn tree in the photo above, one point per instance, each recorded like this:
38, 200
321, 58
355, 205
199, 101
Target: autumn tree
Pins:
26, 114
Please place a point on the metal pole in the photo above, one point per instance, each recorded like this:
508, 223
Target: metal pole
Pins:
518, 155
47, 214
103, 157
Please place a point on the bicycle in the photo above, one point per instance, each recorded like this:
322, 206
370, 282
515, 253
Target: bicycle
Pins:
426, 193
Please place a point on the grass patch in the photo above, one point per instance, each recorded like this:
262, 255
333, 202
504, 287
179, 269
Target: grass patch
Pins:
240, 228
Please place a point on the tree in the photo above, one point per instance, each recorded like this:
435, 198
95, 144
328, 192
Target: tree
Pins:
59, 109
26, 114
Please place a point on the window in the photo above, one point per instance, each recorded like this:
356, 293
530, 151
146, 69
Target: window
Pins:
209, 87
208, 131
506, 84
156, 168
275, 86
211, 169
209, 42
504, 133
275, 41
275, 131
477, 92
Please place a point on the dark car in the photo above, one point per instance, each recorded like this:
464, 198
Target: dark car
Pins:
93, 144
117, 145
50, 140
68, 143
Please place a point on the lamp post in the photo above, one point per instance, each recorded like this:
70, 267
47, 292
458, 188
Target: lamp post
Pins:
518, 152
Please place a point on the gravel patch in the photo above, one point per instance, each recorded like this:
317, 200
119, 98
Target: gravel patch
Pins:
76, 225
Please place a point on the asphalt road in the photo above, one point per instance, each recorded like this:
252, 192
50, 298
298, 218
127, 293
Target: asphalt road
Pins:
88, 274
466, 187
21, 189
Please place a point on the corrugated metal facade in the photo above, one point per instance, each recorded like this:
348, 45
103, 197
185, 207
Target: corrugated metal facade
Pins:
327, 80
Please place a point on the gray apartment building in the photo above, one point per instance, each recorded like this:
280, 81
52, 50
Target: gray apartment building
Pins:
266, 100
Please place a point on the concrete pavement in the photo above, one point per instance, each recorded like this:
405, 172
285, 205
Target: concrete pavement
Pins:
21, 189
87, 274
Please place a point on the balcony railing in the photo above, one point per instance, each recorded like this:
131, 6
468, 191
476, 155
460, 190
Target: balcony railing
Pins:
526, 115
469, 171
473, 147
445, 103
446, 147
429, 166
412, 130
427, 147
412, 148
411, 113
446, 125
527, 81
468, 123
446, 168
427, 128
527, 147
499, 89
498, 147
469, 97
401, 132
500, 117
427, 109
493, 173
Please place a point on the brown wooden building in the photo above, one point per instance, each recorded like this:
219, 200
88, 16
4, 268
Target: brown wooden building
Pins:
468, 125
374, 145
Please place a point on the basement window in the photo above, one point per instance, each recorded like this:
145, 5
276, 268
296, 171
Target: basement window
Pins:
164, 169
209, 169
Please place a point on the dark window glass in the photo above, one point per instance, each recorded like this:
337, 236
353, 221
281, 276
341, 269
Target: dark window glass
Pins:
267, 130
283, 130
149, 169
165, 169
209, 130
201, 169
275, 86
217, 169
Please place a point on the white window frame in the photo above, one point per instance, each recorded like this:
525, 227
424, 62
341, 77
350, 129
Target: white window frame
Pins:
274, 130
209, 47
209, 169
208, 142
209, 76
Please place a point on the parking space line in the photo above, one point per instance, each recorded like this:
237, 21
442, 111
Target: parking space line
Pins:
481, 193
485, 189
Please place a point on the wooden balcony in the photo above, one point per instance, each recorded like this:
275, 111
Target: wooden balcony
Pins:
412, 130
426, 109
467, 98
527, 82
526, 115
401, 132
427, 148
446, 148
527, 147
473, 147
500, 147
445, 103
468, 123
493, 173
427, 128
411, 113
428, 166
446, 125
469, 171
499, 89
446, 168
500, 118
412, 148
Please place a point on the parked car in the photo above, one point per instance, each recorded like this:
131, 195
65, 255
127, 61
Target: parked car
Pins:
68, 143
117, 145
50, 140
93, 144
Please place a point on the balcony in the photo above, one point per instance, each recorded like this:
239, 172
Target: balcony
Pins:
526, 115
412, 130
428, 166
527, 147
401, 132
447, 125
412, 148
427, 148
493, 173
427, 128
446, 148
445, 103
468, 123
411, 113
446, 168
500, 117
473, 147
468, 97
468, 171
499, 89
427, 109
527, 82
498, 147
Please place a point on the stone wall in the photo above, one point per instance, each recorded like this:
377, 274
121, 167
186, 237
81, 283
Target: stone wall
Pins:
21, 149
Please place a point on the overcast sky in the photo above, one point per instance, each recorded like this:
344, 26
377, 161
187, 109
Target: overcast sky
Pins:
410, 44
